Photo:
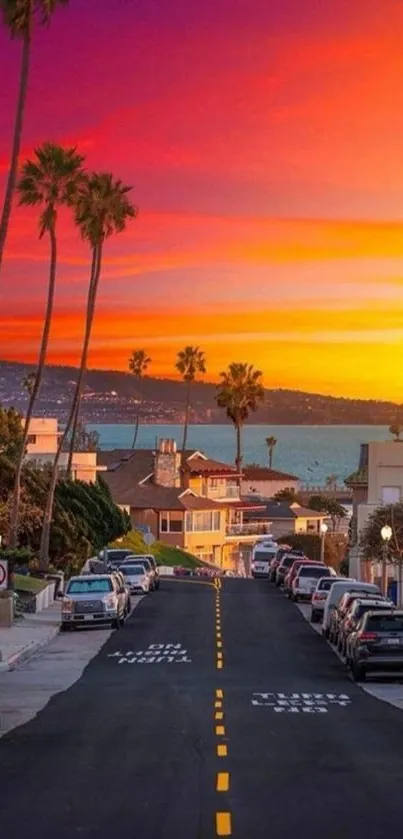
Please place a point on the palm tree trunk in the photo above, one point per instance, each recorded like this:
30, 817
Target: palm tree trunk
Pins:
270, 457
92, 293
238, 459
19, 119
81, 375
136, 429
187, 414
15, 508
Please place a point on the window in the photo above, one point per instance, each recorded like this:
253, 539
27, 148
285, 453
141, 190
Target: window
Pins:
31, 439
97, 586
171, 522
390, 495
203, 521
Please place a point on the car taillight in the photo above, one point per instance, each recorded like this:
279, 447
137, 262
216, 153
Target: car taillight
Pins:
319, 596
368, 636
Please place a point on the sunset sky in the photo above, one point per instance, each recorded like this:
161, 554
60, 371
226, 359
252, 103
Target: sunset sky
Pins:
264, 141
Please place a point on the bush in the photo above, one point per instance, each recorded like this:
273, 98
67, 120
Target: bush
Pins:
310, 543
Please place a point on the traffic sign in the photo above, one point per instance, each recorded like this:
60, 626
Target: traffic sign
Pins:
149, 538
3, 573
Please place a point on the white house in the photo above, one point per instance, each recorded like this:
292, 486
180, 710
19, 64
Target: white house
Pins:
42, 445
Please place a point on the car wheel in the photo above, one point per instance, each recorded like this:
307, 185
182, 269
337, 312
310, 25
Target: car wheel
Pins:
358, 672
314, 617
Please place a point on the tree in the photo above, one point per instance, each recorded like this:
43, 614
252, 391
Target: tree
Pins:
189, 362
396, 429
288, 495
240, 393
310, 544
50, 181
138, 364
330, 506
11, 433
18, 17
86, 441
271, 443
102, 209
28, 383
331, 482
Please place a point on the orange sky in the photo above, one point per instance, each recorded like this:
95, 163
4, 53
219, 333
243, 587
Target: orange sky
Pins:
265, 143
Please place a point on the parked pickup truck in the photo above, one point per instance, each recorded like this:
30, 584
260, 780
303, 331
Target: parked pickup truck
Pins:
93, 599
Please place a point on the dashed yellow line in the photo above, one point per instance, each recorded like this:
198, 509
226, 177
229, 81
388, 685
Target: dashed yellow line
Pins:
219, 715
220, 730
222, 782
218, 703
219, 694
219, 664
223, 824
222, 750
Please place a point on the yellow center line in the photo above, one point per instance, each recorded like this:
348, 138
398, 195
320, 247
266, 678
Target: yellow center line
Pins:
218, 704
218, 634
219, 655
219, 644
219, 665
222, 750
223, 824
219, 715
220, 730
219, 694
222, 782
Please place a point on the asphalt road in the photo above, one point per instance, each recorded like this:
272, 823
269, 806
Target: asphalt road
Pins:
168, 735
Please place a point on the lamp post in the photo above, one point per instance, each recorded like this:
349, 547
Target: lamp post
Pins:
386, 534
323, 531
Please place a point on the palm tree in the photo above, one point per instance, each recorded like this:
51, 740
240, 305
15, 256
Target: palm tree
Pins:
240, 392
50, 181
189, 362
271, 443
102, 209
28, 383
138, 363
18, 17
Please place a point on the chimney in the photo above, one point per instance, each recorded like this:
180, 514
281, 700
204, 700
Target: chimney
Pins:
167, 464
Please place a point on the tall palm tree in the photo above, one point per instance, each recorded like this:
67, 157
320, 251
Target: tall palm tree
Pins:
102, 209
49, 181
189, 362
271, 443
138, 364
18, 17
240, 392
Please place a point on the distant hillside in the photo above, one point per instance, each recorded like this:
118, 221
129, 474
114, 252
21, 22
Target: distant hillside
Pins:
109, 396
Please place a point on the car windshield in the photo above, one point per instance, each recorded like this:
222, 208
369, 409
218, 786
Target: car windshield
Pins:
132, 570
311, 571
325, 584
264, 556
144, 562
89, 586
287, 561
384, 623
117, 556
360, 609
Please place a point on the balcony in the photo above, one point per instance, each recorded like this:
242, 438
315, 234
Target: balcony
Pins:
249, 531
223, 493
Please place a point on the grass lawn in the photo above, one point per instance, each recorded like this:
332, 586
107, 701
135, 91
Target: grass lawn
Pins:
164, 554
29, 584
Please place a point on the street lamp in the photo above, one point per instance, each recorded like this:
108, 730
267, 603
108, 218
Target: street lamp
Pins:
386, 534
323, 531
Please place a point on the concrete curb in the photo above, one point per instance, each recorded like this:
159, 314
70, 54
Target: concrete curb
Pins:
29, 651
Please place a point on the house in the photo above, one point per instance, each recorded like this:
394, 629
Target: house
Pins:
266, 482
378, 481
189, 501
42, 443
289, 518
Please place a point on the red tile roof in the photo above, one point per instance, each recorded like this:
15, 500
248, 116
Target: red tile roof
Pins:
201, 465
263, 473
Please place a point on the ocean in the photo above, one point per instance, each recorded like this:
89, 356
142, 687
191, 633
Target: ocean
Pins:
311, 452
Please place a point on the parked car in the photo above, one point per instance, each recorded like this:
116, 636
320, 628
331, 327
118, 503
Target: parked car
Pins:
335, 594
292, 573
153, 563
124, 584
320, 596
377, 644
345, 602
286, 562
93, 599
284, 549
136, 577
114, 556
306, 580
262, 556
135, 559
348, 624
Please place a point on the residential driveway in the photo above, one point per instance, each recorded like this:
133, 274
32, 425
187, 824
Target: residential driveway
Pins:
168, 735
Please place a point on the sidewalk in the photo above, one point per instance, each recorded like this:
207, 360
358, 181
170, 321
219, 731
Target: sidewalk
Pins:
27, 636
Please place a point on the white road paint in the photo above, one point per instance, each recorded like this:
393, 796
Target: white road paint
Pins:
154, 654
387, 691
304, 703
